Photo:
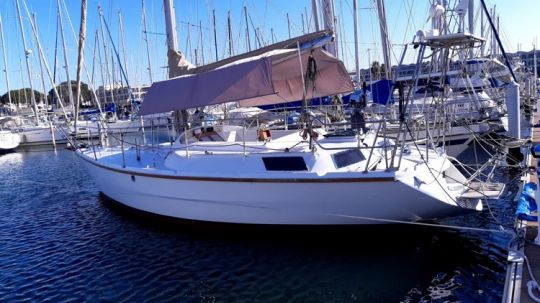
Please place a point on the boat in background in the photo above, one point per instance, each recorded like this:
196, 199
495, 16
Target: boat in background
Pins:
8, 140
31, 133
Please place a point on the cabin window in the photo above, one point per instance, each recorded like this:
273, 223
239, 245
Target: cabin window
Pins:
284, 163
348, 157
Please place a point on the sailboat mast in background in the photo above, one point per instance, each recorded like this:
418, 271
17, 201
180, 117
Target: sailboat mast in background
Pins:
27, 53
5, 62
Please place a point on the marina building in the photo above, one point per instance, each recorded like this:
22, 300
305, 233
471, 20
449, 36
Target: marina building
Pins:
120, 94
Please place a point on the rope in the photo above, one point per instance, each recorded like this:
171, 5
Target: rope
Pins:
533, 283
311, 70
454, 227
429, 169
466, 185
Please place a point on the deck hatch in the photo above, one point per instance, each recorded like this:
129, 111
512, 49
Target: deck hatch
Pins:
348, 157
284, 163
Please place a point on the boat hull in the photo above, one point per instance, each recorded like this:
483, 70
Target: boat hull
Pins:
9, 140
41, 136
268, 201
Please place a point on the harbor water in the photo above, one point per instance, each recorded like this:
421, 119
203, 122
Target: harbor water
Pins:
62, 241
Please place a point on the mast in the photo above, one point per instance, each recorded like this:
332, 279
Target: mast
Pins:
189, 46
315, 12
80, 57
384, 37
201, 40
289, 25
258, 36
57, 33
436, 14
308, 26
5, 61
471, 17
303, 24
493, 39
535, 69
330, 24
122, 40
90, 81
339, 25
247, 30
215, 36
41, 68
229, 26
146, 40
180, 117
482, 32
170, 25
22, 82
116, 55
27, 53
102, 72
498, 27
66, 67
105, 56
357, 63
535, 73
40, 50
471, 24
114, 79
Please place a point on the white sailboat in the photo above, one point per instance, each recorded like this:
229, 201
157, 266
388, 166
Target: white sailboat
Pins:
264, 184
218, 174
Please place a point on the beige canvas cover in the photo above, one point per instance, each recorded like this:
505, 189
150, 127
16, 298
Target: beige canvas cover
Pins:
270, 78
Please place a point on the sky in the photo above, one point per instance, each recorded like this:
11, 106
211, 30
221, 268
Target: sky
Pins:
518, 24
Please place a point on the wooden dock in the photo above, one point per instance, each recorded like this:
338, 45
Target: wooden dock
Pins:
518, 274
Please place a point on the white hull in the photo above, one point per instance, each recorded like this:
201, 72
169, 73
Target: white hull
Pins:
9, 140
200, 187
123, 126
41, 135
85, 129
305, 203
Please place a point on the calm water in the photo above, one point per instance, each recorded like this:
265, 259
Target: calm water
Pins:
61, 241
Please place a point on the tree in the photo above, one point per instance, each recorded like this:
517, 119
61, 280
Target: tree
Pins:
378, 70
382, 71
22, 96
63, 91
375, 70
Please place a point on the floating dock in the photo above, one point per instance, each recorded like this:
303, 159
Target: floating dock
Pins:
518, 274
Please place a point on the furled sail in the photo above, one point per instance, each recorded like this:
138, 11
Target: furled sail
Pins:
178, 64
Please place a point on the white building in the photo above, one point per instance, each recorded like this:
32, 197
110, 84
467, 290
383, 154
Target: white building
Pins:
120, 94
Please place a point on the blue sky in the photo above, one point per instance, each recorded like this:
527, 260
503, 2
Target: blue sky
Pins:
517, 17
